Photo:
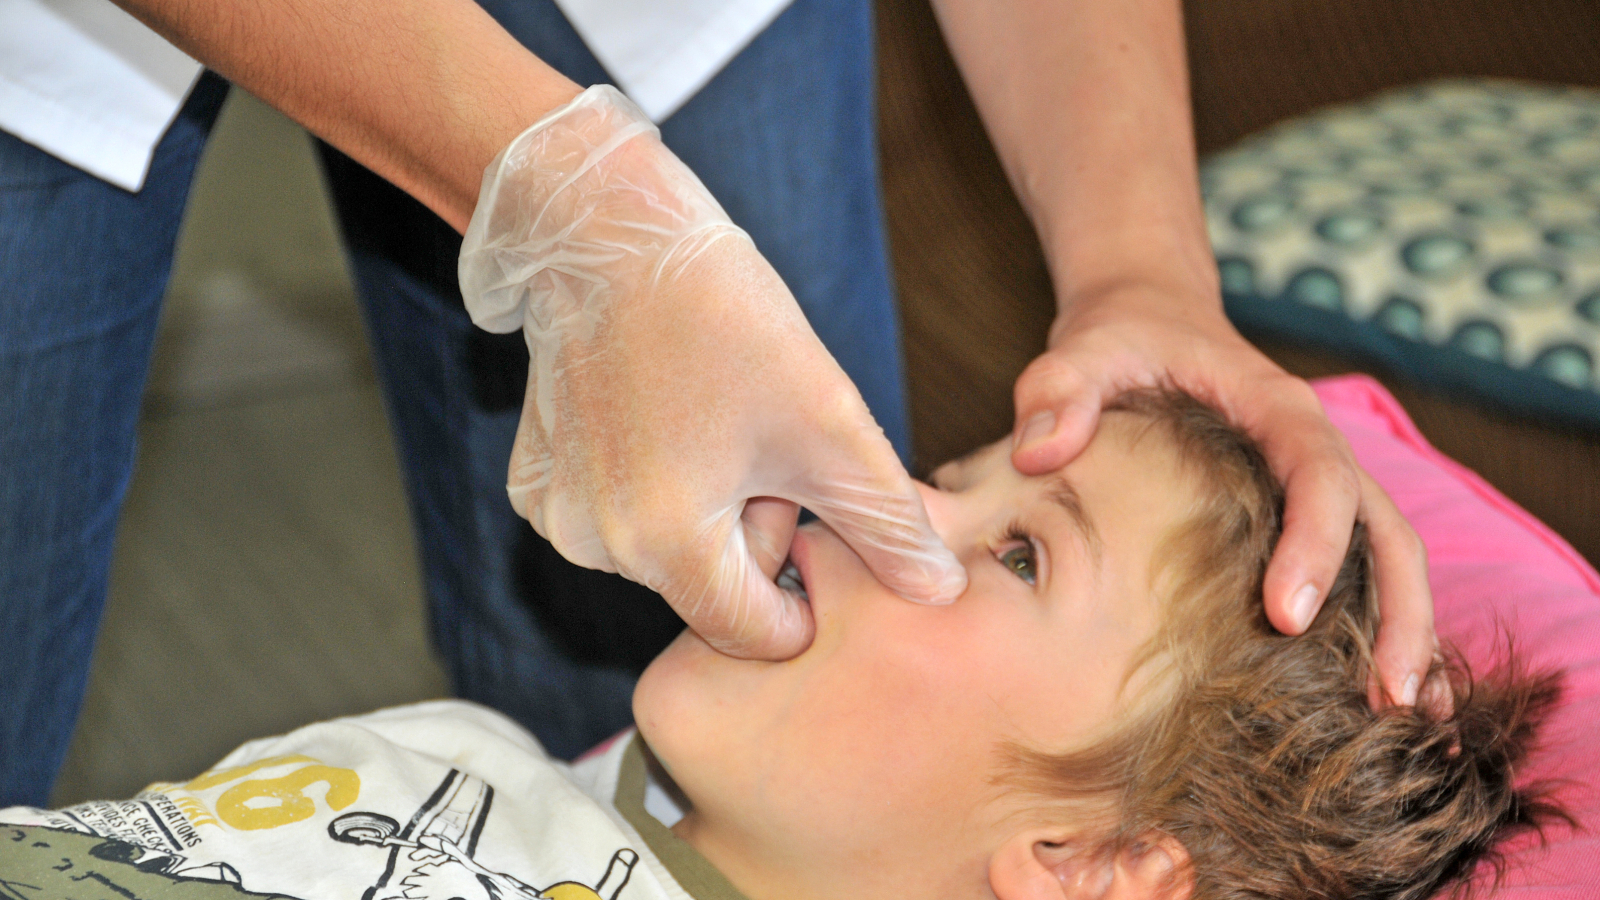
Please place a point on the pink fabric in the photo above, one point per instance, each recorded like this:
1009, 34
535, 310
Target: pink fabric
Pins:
600, 748
1491, 562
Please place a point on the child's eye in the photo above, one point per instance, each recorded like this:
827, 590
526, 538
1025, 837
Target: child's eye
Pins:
1021, 561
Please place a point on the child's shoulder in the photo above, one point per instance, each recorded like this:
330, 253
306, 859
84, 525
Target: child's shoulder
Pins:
445, 722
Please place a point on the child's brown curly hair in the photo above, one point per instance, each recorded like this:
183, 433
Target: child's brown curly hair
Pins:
1259, 752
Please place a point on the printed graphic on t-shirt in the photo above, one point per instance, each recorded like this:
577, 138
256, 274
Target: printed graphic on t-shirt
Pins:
156, 846
38, 862
431, 857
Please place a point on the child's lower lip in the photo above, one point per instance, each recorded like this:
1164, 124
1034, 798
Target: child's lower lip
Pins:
789, 579
800, 555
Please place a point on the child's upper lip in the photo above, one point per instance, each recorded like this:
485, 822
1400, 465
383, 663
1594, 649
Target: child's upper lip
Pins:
800, 555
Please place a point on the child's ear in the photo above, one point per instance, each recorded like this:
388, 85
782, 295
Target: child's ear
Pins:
1041, 864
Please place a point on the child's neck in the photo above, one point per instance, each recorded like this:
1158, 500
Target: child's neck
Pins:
767, 863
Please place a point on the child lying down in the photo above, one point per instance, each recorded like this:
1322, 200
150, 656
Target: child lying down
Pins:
1105, 712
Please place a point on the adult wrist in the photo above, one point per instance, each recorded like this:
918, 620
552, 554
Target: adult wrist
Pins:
1137, 243
1186, 288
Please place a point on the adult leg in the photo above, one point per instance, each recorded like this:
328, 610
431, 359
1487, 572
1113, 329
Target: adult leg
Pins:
83, 266
783, 137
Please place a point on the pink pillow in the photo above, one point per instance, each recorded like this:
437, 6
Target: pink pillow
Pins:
1491, 561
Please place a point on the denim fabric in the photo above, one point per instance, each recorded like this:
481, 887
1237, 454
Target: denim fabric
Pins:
783, 136
83, 266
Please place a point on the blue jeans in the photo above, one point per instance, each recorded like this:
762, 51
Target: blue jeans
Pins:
783, 136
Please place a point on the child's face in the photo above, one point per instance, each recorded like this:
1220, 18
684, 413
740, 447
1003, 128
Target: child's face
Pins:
874, 753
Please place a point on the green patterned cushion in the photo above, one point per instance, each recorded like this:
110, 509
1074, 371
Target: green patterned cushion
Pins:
1452, 229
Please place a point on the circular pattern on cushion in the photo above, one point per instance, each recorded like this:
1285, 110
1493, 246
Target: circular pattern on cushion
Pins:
1453, 228
1436, 255
1482, 339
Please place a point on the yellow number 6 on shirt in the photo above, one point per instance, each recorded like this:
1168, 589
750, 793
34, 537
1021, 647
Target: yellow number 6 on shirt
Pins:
292, 805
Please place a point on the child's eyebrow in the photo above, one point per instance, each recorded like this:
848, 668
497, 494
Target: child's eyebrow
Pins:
1061, 492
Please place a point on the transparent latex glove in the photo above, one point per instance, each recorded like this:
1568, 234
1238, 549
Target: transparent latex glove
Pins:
680, 409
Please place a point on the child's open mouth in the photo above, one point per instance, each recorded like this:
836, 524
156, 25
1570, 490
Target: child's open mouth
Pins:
789, 579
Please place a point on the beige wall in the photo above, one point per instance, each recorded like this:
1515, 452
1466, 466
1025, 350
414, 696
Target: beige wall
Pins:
258, 162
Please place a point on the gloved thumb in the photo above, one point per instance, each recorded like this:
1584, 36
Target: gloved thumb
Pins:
769, 525
734, 605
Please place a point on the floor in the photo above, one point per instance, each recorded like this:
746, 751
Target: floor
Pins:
264, 574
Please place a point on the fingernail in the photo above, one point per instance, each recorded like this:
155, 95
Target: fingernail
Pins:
949, 583
1408, 691
1038, 428
1303, 605
940, 578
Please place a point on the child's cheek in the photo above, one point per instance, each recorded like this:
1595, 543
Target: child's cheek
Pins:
898, 728
930, 670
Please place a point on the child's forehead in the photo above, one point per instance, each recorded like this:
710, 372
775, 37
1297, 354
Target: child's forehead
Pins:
1118, 431
1127, 485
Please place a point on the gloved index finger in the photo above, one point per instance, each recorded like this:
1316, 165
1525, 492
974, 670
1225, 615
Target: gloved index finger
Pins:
882, 518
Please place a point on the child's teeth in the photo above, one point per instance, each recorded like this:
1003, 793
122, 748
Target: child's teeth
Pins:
789, 580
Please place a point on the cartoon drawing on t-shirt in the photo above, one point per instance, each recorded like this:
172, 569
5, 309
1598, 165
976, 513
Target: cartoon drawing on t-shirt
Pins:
39, 861
432, 857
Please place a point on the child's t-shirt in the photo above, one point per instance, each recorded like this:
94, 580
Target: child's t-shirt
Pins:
435, 801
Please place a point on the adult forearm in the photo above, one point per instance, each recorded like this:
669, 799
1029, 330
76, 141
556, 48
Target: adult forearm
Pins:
1087, 102
423, 92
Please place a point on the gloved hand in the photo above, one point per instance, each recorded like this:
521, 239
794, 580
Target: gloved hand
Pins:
680, 409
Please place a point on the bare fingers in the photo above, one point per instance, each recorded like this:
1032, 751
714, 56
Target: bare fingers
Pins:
1058, 410
1406, 645
1322, 496
1326, 491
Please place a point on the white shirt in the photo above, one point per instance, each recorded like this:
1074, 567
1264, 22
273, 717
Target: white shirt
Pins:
433, 801
88, 83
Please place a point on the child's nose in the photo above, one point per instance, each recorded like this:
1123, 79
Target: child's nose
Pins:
941, 513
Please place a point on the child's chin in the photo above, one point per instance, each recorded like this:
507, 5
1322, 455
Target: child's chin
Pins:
667, 682
685, 647
689, 682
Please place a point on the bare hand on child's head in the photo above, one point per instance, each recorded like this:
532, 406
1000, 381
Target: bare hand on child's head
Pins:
1143, 335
